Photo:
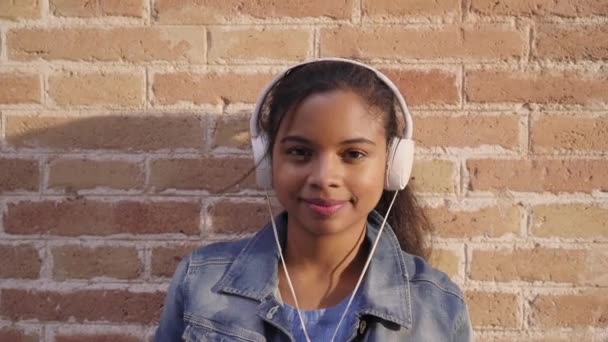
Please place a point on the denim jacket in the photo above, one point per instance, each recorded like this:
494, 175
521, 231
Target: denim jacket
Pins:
228, 292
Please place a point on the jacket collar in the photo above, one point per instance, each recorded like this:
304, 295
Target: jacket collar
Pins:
384, 293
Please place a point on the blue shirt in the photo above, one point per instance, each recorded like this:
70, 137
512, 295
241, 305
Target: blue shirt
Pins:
321, 324
229, 291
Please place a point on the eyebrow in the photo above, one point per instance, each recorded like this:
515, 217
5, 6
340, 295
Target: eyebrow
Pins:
301, 139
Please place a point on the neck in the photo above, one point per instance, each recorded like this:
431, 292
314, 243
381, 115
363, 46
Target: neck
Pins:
324, 254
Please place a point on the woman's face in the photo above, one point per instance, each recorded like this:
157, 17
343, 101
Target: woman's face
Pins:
329, 162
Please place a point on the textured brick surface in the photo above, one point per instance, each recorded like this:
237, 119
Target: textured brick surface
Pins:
488, 222
493, 309
90, 217
97, 338
20, 9
109, 305
19, 174
540, 8
452, 42
109, 89
533, 87
20, 261
84, 8
165, 259
390, 8
586, 309
213, 175
19, 335
263, 45
228, 87
432, 87
566, 133
538, 264
127, 133
209, 11
433, 176
136, 44
18, 88
78, 174
570, 221
561, 42
86, 262
538, 175
468, 131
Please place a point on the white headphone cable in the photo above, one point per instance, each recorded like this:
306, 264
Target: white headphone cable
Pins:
352, 296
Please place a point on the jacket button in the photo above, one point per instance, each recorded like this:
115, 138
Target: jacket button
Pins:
272, 311
362, 326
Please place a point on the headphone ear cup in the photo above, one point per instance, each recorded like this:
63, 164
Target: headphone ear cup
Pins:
263, 170
400, 163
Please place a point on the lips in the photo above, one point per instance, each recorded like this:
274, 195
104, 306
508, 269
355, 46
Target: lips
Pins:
324, 207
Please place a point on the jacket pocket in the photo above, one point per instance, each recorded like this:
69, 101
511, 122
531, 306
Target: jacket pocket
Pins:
199, 329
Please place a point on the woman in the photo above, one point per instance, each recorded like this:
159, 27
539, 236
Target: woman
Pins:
330, 267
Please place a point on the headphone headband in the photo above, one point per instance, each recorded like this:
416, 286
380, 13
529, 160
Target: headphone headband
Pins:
409, 125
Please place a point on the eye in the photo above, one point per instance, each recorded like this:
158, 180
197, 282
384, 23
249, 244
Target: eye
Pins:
298, 153
353, 155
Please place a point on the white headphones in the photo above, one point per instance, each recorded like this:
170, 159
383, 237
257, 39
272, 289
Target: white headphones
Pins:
401, 150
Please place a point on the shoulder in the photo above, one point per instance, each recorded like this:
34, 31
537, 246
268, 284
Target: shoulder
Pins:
438, 304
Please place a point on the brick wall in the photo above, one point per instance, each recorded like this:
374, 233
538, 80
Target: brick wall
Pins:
122, 121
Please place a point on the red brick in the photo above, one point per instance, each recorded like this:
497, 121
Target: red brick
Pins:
210, 174
266, 44
540, 8
10, 334
79, 174
91, 217
452, 42
101, 8
426, 87
493, 222
537, 264
493, 309
586, 309
229, 217
213, 12
109, 305
97, 89
18, 88
389, 8
101, 337
232, 132
165, 259
20, 261
467, 131
79, 262
20, 9
571, 42
19, 174
551, 133
129, 133
570, 220
174, 88
553, 175
546, 87
125, 44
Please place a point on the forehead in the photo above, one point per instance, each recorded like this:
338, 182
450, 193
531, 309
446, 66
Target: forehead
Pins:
334, 116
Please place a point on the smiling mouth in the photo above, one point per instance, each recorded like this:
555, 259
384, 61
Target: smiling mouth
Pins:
324, 208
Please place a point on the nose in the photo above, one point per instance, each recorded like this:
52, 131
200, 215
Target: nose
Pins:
325, 172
